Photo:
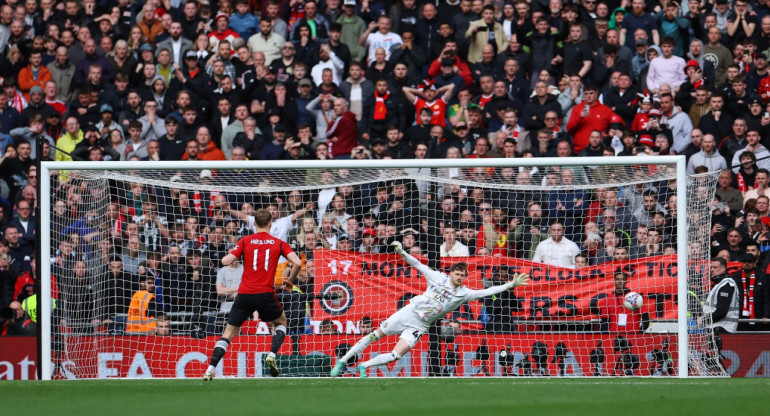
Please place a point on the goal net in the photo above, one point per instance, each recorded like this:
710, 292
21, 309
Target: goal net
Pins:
133, 264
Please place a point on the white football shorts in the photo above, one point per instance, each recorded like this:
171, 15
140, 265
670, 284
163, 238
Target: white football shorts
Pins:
407, 323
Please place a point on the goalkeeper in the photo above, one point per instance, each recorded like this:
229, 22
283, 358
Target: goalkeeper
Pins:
445, 293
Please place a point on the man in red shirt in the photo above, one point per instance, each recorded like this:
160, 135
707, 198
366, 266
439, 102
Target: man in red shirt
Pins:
343, 133
615, 317
259, 253
429, 94
588, 116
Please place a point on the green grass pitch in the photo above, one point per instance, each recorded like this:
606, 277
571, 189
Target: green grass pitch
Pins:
392, 397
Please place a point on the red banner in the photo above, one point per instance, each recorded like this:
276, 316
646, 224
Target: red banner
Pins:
377, 285
748, 355
182, 357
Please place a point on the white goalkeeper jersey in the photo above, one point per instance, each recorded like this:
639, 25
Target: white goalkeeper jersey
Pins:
441, 297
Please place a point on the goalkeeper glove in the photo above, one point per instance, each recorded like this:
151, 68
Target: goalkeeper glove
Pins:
397, 247
520, 280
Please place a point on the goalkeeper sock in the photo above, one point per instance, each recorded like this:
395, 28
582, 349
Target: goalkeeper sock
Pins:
278, 335
220, 348
382, 359
360, 346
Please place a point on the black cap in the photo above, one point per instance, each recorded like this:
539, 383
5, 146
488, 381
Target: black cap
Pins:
748, 258
280, 127
378, 140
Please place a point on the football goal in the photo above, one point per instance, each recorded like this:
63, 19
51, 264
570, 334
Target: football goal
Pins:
617, 249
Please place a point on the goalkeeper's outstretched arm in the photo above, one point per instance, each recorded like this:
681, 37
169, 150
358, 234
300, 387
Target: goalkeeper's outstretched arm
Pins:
432, 276
410, 259
520, 280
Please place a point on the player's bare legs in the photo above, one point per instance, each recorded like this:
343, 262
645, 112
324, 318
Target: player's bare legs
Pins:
220, 348
279, 334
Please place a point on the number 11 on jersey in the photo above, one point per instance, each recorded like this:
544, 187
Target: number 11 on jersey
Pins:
267, 259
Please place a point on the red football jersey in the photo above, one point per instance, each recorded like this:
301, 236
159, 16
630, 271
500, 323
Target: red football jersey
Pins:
438, 108
260, 253
621, 319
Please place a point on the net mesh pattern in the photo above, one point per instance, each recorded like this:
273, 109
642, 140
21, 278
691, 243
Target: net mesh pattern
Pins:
140, 289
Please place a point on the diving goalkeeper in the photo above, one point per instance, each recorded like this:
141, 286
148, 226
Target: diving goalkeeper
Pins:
445, 293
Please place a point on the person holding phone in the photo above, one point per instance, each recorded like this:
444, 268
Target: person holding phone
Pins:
485, 31
588, 116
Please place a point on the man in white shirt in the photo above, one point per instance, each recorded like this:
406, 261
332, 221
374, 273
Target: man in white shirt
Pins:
267, 41
383, 38
668, 68
228, 280
327, 60
281, 227
452, 247
557, 250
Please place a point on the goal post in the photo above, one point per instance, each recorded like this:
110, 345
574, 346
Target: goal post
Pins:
74, 331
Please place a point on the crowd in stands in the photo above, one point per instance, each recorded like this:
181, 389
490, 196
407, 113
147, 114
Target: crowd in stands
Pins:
169, 80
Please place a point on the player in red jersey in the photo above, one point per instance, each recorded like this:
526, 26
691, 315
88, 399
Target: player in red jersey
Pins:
260, 252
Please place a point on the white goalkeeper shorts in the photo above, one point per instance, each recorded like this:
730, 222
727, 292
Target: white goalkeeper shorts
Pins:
407, 323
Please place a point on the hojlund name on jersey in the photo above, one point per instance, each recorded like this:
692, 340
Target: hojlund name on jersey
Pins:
262, 242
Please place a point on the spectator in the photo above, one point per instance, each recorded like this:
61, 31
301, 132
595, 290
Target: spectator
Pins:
34, 74
427, 98
556, 250
667, 68
501, 307
716, 122
351, 27
451, 246
196, 82
343, 133
358, 91
176, 43
752, 145
590, 115
752, 293
484, 31
729, 195
228, 280
383, 38
537, 108
527, 234
677, 121
327, 327
369, 241
577, 52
